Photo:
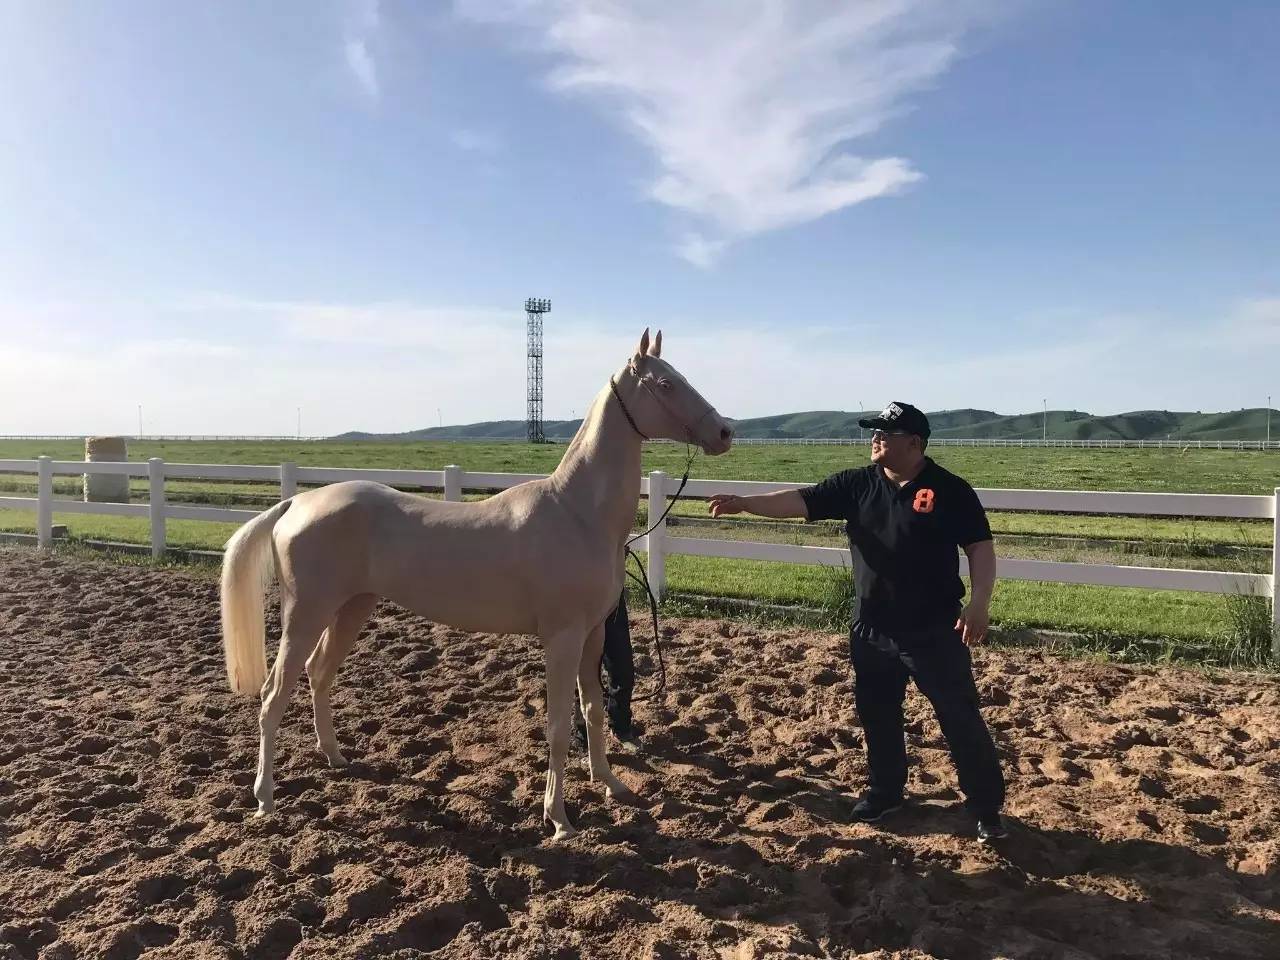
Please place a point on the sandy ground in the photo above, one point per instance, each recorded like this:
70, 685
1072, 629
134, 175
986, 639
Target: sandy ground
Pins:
1145, 803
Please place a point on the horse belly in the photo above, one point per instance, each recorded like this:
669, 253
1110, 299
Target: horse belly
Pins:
461, 581
477, 611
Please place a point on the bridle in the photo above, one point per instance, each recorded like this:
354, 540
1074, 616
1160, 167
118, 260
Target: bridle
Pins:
689, 429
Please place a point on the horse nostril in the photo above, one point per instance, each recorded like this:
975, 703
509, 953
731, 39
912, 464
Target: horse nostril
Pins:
726, 433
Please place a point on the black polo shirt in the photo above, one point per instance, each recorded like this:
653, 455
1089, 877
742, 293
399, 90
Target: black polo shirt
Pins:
906, 568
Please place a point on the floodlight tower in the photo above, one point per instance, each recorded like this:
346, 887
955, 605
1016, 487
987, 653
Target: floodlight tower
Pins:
534, 309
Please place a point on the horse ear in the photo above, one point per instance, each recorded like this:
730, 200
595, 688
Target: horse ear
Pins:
644, 344
656, 349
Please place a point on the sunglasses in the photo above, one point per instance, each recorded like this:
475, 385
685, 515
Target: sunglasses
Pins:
882, 435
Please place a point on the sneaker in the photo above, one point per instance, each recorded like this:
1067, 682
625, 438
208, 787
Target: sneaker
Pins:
871, 808
990, 828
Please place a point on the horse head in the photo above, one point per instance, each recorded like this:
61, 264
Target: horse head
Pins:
663, 405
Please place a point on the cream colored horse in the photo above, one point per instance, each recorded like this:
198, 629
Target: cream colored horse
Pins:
545, 558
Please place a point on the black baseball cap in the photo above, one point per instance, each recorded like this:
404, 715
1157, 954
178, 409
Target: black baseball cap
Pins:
899, 416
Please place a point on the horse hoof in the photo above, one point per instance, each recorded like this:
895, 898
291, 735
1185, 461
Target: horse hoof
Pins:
622, 795
336, 760
619, 791
264, 809
563, 831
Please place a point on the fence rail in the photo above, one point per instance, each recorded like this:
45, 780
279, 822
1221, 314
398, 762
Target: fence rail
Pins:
1030, 442
1027, 442
147, 437
453, 480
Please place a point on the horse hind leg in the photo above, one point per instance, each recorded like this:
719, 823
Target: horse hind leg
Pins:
322, 669
593, 711
302, 626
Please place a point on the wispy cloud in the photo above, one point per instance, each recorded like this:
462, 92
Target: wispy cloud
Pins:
363, 22
700, 251
483, 142
444, 330
230, 364
176, 350
362, 66
1256, 322
752, 109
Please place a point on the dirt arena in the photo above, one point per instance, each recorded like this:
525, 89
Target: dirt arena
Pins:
1144, 803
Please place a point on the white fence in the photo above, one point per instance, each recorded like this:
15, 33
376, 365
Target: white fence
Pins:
1029, 442
148, 437
658, 544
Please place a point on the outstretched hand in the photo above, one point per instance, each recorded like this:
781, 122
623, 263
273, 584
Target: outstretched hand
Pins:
723, 504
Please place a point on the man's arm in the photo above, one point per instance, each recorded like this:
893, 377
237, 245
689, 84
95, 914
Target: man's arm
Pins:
976, 616
784, 503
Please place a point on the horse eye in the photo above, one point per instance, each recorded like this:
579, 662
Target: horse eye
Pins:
664, 383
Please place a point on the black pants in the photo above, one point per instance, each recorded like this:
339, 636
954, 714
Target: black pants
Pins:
620, 669
939, 662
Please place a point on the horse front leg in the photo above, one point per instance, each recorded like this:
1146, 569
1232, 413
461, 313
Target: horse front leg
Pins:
593, 711
563, 651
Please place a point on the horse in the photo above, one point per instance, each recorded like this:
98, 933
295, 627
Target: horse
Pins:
544, 558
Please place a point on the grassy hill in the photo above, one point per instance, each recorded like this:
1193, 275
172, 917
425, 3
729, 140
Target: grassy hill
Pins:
1062, 425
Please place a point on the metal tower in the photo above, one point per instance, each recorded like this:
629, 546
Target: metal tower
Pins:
534, 309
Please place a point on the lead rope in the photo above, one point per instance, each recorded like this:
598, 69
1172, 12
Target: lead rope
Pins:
690, 453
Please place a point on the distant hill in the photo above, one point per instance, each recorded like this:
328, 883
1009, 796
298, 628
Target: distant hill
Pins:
979, 424
489, 430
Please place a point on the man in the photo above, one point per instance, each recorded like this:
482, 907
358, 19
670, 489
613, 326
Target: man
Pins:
620, 668
905, 517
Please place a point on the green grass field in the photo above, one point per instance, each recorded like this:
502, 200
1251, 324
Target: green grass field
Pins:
1158, 615
1193, 471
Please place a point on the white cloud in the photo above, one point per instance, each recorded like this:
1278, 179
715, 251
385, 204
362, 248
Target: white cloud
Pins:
483, 142
366, 14
1256, 321
175, 350
363, 21
751, 109
362, 66
375, 325
700, 251
229, 365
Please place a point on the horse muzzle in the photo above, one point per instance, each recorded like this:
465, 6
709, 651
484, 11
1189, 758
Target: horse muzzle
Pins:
717, 439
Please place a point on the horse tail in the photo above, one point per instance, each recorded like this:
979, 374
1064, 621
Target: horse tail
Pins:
247, 570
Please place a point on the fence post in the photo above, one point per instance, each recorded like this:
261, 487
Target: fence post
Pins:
155, 473
1275, 580
658, 535
453, 482
288, 480
44, 510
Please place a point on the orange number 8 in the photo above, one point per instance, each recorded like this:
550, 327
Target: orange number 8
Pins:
923, 502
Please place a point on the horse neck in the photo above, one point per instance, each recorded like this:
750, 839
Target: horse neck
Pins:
600, 472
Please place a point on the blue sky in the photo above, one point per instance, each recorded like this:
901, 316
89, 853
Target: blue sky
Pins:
227, 212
